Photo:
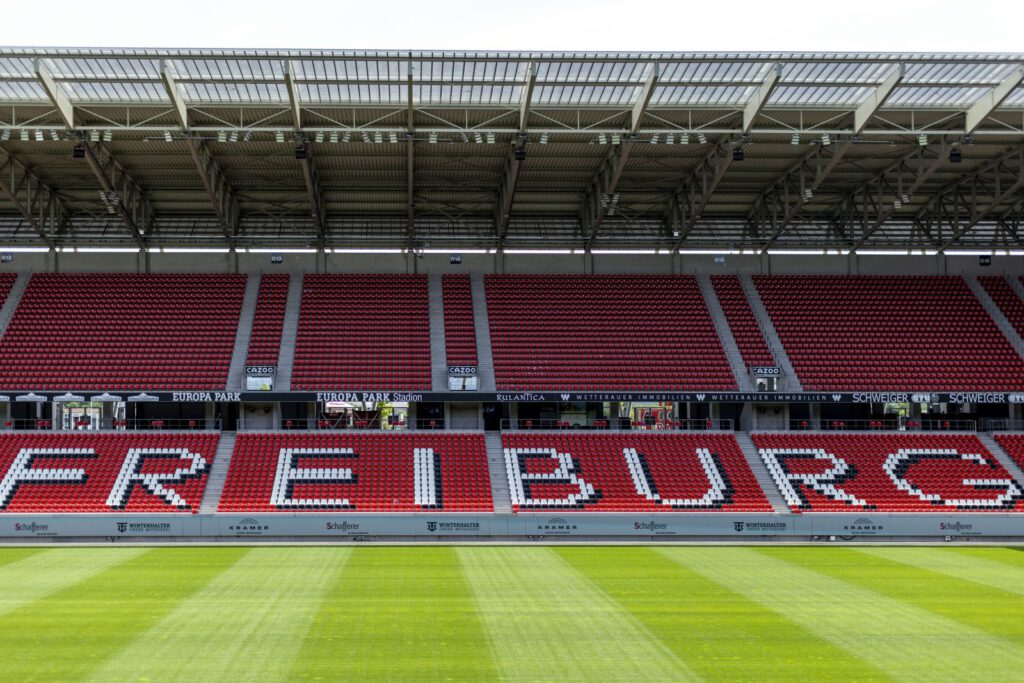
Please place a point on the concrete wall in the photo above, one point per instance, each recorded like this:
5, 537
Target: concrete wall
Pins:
511, 263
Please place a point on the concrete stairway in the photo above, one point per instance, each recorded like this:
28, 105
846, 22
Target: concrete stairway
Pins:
1017, 285
792, 382
499, 476
1003, 457
732, 351
218, 473
1004, 325
236, 375
289, 332
485, 360
764, 477
438, 350
12, 300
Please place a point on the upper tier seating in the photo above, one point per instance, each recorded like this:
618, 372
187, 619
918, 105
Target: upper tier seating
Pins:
742, 321
888, 472
630, 472
612, 332
364, 472
268, 321
363, 332
889, 333
6, 282
1013, 444
104, 472
1006, 299
122, 331
459, 330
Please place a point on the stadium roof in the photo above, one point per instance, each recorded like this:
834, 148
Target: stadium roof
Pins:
489, 150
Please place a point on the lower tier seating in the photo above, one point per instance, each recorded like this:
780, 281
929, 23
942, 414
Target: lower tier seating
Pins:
888, 472
1013, 444
104, 472
630, 473
367, 472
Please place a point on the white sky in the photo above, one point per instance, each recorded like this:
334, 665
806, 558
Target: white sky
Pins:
657, 25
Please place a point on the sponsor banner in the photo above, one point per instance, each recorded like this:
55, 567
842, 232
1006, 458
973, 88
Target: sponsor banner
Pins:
462, 370
765, 371
955, 398
261, 370
534, 525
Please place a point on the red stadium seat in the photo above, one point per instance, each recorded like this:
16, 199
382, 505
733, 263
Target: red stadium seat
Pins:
459, 329
268, 321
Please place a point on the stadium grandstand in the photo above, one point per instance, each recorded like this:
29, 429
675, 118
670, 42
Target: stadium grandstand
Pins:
411, 295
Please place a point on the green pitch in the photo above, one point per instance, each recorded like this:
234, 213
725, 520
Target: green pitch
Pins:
513, 613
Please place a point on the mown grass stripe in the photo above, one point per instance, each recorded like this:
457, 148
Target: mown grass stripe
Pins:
907, 642
720, 633
69, 633
975, 568
546, 621
974, 604
39, 574
248, 623
397, 614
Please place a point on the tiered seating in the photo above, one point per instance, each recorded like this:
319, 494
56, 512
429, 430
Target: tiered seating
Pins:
459, 331
888, 472
363, 332
889, 333
6, 282
265, 342
366, 472
1006, 299
612, 332
742, 321
630, 473
1013, 444
104, 472
122, 331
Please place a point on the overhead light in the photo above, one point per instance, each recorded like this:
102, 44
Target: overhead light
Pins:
905, 198
279, 136
465, 138
490, 138
654, 139
234, 136
616, 139
108, 135
432, 138
24, 135
55, 136
737, 154
334, 138
346, 136
670, 139
684, 138
378, 137
955, 155
967, 139
826, 140
222, 136
39, 136
897, 204
795, 139
479, 138
393, 138
808, 193
543, 138
701, 138
5, 135
319, 137
247, 137
366, 137
602, 139
167, 136
922, 140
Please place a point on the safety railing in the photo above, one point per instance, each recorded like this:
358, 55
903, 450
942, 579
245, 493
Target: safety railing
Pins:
884, 425
156, 424
605, 424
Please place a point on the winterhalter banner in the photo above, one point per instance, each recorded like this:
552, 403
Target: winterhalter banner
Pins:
538, 526
346, 396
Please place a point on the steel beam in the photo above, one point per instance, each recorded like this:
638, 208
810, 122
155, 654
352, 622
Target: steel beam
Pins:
510, 177
981, 109
56, 96
711, 172
171, 87
218, 191
127, 208
293, 95
760, 97
867, 109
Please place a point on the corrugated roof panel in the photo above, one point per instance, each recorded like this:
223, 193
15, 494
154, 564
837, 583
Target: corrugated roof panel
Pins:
198, 93
935, 97
28, 91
